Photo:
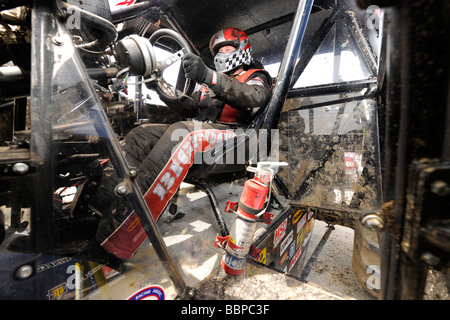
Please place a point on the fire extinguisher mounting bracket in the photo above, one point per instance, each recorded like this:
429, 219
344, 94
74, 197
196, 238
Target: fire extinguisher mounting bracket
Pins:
231, 206
254, 252
221, 242
267, 219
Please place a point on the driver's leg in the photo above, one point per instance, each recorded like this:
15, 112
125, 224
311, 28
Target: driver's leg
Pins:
159, 177
136, 146
141, 140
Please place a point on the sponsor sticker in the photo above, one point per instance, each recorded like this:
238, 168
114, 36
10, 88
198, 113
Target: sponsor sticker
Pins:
52, 264
301, 223
291, 250
352, 162
308, 226
109, 272
299, 239
295, 258
56, 292
307, 239
283, 258
255, 81
286, 242
296, 216
263, 256
279, 234
153, 292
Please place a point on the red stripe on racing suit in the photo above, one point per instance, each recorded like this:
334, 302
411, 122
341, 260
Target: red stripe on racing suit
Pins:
127, 239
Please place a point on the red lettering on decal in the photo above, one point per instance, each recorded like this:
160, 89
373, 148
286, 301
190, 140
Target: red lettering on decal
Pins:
126, 3
170, 178
279, 233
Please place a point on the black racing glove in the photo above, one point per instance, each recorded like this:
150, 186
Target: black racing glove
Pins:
196, 69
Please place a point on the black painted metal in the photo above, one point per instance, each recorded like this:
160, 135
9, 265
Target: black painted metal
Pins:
215, 206
417, 119
285, 73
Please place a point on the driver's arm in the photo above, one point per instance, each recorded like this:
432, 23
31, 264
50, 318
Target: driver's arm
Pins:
243, 96
254, 93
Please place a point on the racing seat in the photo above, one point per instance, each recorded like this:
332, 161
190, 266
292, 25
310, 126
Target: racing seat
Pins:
220, 171
205, 175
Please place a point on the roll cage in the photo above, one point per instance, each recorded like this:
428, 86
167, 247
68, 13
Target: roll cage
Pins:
401, 183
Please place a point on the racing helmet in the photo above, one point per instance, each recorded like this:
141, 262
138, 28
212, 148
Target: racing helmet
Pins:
237, 38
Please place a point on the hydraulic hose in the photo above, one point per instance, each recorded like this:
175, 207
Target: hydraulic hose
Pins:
91, 20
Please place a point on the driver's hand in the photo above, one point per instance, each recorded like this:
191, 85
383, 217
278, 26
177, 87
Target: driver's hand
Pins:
196, 69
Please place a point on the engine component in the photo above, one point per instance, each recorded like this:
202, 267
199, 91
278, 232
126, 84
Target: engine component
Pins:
136, 53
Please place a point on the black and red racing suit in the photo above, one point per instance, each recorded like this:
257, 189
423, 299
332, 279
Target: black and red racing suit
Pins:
164, 153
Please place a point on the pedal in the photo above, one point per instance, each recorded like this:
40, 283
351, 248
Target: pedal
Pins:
174, 214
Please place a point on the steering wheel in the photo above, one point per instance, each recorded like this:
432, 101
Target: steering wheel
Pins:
169, 48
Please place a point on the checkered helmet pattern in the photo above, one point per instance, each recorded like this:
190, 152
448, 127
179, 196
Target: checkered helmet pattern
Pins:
225, 62
229, 61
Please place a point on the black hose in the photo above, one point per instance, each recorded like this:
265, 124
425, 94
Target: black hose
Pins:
14, 82
91, 20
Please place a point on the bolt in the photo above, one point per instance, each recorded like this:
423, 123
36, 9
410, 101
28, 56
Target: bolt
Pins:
440, 188
20, 168
133, 173
191, 293
373, 222
57, 40
121, 190
430, 259
24, 272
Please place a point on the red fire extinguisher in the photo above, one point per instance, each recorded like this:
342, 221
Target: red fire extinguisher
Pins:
251, 209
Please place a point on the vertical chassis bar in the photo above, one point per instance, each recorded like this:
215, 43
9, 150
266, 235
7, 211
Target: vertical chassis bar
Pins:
418, 105
282, 86
286, 71
41, 147
44, 23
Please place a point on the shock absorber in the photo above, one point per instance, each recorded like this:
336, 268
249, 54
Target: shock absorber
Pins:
251, 209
